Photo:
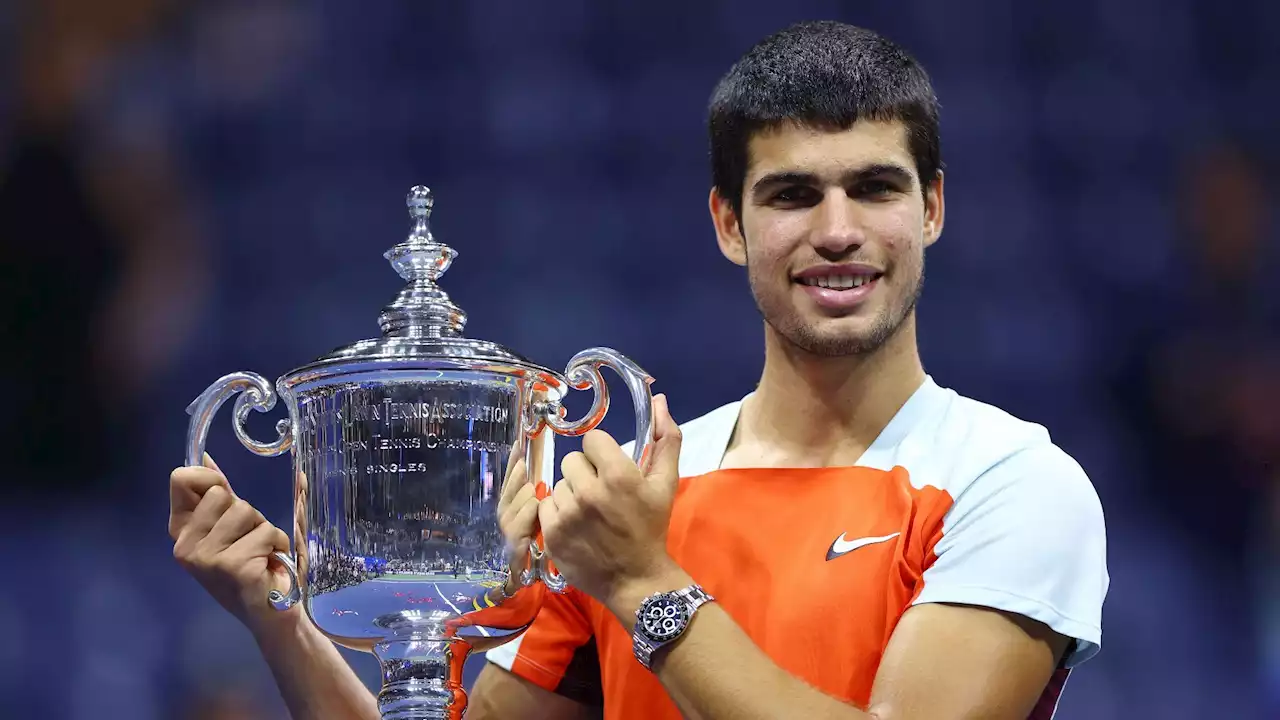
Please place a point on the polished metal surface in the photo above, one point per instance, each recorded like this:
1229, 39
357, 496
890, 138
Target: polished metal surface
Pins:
253, 392
421, 323
400, 446
422, 308
398, 482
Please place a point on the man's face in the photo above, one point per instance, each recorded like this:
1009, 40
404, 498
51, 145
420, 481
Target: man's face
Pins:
833, 231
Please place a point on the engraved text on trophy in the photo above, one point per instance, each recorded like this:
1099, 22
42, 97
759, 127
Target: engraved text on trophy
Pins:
375, 424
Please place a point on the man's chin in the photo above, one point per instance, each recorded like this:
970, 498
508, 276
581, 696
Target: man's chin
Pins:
838, 337
834, 344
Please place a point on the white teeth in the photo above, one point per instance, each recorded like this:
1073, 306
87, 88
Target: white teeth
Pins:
838, 282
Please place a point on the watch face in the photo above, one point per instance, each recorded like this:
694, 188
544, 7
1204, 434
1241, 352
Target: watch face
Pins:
662, 618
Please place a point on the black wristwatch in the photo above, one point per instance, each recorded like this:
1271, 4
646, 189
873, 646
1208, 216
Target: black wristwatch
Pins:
662, 619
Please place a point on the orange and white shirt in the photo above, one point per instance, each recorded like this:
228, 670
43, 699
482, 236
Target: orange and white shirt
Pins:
955, 502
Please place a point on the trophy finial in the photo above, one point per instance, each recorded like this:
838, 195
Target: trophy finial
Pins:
422, 309
420, 202
420, 256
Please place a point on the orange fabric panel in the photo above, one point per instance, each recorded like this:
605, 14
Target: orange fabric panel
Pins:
547, 647
763, 542
758, 540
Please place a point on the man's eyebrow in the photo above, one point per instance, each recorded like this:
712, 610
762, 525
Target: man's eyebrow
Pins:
784, 177
892, 170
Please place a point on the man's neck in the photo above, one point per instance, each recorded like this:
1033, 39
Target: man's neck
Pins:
812, 411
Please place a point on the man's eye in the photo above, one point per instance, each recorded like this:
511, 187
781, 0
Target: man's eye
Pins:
794, 196
873, 188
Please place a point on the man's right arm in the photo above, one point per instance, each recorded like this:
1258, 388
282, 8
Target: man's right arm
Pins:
313, 677
226, 545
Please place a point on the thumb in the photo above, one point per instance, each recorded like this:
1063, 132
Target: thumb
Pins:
665, 465
209, 463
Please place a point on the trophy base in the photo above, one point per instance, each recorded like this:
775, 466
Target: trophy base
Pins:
421, 669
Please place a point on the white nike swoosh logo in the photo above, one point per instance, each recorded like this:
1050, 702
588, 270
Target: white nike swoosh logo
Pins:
842, 545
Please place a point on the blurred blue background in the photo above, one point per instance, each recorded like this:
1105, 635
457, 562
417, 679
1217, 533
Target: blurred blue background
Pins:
193, 188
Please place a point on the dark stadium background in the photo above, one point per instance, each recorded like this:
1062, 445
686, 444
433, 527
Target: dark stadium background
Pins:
192, 188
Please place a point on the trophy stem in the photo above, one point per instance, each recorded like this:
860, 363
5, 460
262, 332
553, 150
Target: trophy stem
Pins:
422, 679
421, 673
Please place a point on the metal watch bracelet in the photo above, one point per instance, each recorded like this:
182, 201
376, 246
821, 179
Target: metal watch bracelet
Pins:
694, 597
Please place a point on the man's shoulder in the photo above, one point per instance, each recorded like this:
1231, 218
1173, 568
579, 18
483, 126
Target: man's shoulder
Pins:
1024, 532
968, 441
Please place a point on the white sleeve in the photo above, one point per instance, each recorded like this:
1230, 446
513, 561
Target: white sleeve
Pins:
1027, 537
504, 655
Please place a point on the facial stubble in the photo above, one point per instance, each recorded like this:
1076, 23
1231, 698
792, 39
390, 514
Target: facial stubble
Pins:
786, 322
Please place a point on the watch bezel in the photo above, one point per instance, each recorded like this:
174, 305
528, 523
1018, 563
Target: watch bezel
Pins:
681, 618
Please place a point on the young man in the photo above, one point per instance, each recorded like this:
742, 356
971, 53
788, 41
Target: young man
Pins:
848, 541
870, 539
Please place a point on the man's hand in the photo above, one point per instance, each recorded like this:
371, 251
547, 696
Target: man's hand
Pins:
517, 518
226, 545
605, 522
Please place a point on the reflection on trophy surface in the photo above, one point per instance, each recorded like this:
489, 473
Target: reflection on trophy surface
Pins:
400, 446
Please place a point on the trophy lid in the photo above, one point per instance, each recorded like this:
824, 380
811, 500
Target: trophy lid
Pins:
421, 327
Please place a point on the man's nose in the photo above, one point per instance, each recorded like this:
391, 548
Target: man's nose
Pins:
836, 229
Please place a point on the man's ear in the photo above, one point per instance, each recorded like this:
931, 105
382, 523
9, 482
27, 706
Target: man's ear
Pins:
728, 228
935, 211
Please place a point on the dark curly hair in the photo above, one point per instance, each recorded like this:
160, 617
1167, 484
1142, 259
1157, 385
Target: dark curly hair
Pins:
824, 75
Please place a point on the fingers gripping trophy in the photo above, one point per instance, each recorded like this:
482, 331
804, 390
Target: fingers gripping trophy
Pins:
401, 445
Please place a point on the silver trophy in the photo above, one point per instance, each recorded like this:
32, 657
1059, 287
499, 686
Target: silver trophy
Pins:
400, 446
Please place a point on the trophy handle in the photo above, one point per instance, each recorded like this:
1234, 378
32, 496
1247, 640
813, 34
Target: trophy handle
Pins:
583, 373
255, 393
285, 600
540, 567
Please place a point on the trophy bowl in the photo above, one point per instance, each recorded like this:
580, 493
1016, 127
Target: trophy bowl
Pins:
400, 447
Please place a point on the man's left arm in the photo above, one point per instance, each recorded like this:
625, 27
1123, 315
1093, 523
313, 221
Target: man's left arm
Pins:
1014, 594
943, 661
